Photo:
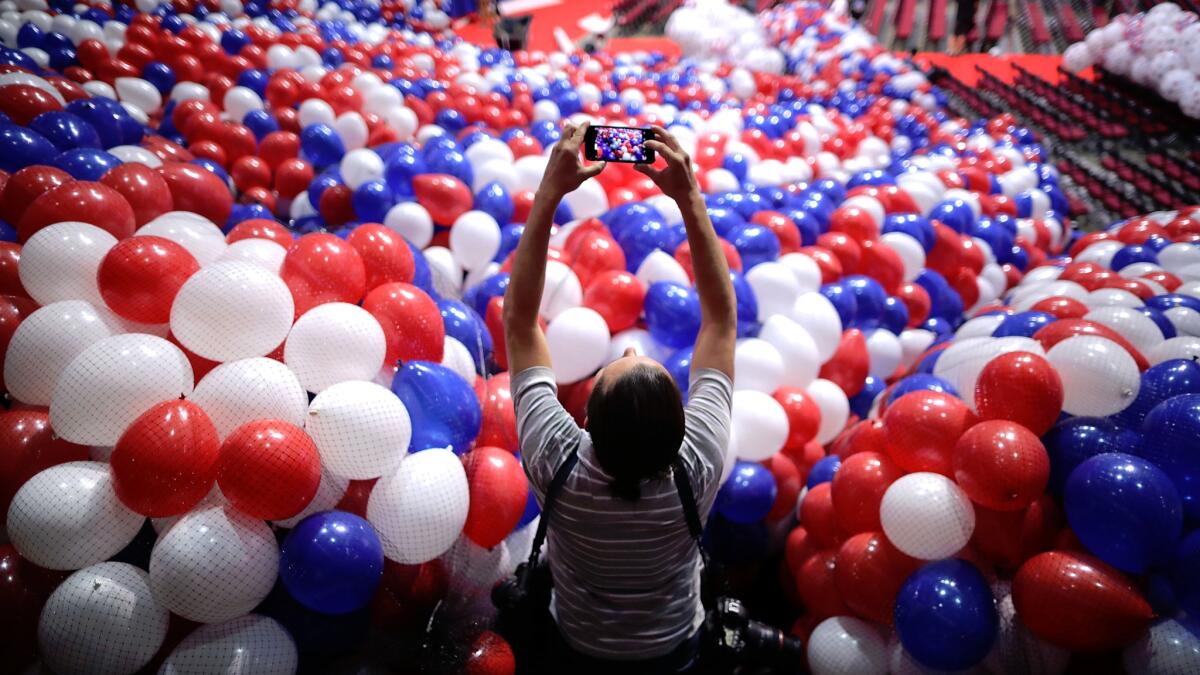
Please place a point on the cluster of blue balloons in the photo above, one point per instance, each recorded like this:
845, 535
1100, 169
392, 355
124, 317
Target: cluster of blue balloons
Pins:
442, 406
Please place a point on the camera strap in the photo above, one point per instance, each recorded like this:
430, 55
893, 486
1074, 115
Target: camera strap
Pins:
560, 477
690, 512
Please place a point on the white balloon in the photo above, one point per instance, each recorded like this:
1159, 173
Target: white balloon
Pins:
561, 290
885, 353
240, 100
242, 391
456, 357
192, 231
843, 644
1175, 257
102, 620
911, 253
44, 343
247, 645
60, 262
265, 253
486, 150
979, 327
817, 315
589, 200
962, 366
528, 171
1185, 320
775, 288
1112, 297
411, 221
927, 516
759, 425
1099, 377
475, 239
134, 154
141, 94
1168, 648
332, 343
316, 111
68, 517
835, 408
578, 340
639, 340
419, 510
232, 310
721, 180
546, 109
1130, 324
757, 366
361, 429
1181, 347
805, 269
361, 166
214, 564
661, 266
109, 384
795, 346
913, 343
352, 129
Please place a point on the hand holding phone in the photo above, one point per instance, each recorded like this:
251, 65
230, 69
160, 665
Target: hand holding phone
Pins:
619, 144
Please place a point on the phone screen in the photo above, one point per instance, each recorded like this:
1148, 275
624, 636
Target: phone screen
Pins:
619, 144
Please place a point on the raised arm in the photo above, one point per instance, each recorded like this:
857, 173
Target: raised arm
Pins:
718, 305
523, 336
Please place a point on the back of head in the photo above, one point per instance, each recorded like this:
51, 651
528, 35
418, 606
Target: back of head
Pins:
636, 424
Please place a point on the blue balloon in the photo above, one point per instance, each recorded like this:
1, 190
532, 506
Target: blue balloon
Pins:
808, 226
915, 226
1168, 300
478, 296
510, 236
955, 214
7, 232
823, 471
1124, 510
65, 130
452, 163
748, 495
400, 170
494, 200
639, 241
1072, 441
679, 365
1159, 383
672, 313
21, 147
860, 403
747, 305
736, 164
331, 562
107, 117
463, 324
944, 301
160, 75
920, 382
261, 123
946, 615
422, 275
629, 215
1164, 324
843, 300
755, 243
895, 315
1171, 433
1022, 324
86, 163
321, 145
1133, 253
731, 543
442, 406
871, 299
725, 220
1185, 579
372, 200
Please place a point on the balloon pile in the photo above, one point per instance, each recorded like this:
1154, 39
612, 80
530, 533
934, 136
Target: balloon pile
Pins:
1156, 49
251, 284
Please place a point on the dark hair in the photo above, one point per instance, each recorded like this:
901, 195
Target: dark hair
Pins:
636, 425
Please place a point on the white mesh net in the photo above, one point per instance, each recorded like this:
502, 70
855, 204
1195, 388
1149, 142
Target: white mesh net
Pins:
60, 262
927, 516
420, 509
232, 310
190, 230
44, 343
248, 645
333, 343
248, 389
361, 429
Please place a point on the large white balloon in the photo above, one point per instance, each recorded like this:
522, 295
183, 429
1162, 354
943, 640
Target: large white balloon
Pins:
1099, 377
232, 310
214, 564
1168, 648
842, 644
242, 391
775, 288
420, 509
911, 253
68, 517
411, 221
760, 425
60, 262
962, 362
361, 429
805, 269
332, 343
817, 315
927, 516
361, 166
757, 366
265, 253
104, 389
44, 343
885, 353
578, 340
1130, 324
835, 408
561, 290
474, 239
190, 230
797, 348
248, 645
102, 620
1181, 347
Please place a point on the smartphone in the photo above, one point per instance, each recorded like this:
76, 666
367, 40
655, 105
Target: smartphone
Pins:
618, 144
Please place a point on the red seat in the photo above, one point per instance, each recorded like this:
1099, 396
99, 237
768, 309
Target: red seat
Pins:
997, 19
937, 20
1069, 22
1037, 23
904, 18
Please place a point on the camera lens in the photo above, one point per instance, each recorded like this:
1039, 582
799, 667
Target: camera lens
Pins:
765, 640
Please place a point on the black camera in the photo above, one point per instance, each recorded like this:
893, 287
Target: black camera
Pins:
732, 639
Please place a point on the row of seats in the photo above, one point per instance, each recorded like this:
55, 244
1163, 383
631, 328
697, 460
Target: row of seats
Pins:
1037, 25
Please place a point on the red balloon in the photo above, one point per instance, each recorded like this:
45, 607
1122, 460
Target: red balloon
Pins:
490, 654
683, 254
1057, 331
804, 416
26, 185
784, 228
864, 436
385, 255
292, 177
787, 482
81, 201
1009, 538
166, 461
798, 548
884, 264
408, 594
869, 573
816, 512
829, 264
13, 311
411, 322
249, 172
916, 300
923, 427
1079, 603
844, 248
199, 190
23, 102
1062, 307
24, 588
499, 427
854, 221
144, 189
857, 489
594, 253
444, 197
617, 296
1001, 465
522, 205
358, 493
10, 279
946, 255
140, 277
260, 228
319, 268
269, 469
817, 586
30, 447
278, 146
1022, 387
848, 367
498, 494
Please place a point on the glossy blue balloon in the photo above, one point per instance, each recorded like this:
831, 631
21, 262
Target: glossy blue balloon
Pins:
860, 403
944, 301
422, 275
1133, 253
731, 543
672, 313
86, 163
871, 299
1168, 300
463, 324
920, 382
331, 562
946, 615
106, 117
261, 123
321, 145
20, 147
372, 200
401, 168
747, 305
895, 315
1124, 510
915, 226
1164, 324
1171, 440
160, 75
843, 300
754, 243
1022, 324
478, 296
1159, 383
639, 241
808, 226
748, 495
442, 406
494, 200
452, 163
1071, 441
724, 221
65, 130
1185, 574
955, 214
679, 365
823, 471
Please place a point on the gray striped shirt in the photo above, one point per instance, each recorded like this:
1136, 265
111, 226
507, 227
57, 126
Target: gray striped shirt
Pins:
626, 574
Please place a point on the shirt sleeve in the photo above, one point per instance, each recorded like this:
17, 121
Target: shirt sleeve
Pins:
706, 431
546, 431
